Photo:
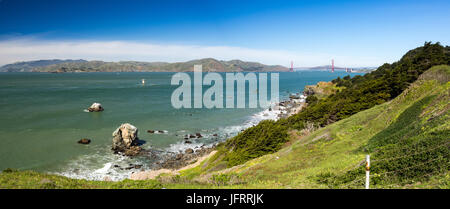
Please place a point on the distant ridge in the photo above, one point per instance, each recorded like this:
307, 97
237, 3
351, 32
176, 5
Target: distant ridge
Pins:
30, 65
209, 64
328, 67
321, 67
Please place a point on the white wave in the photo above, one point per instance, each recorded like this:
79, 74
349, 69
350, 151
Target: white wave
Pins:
100, 165
267, 114
181, 146
104, 169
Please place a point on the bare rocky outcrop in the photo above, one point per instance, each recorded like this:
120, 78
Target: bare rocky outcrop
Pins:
125, 140
182, 159
96, 107
194, 160
189, 151
320, 90
309, 90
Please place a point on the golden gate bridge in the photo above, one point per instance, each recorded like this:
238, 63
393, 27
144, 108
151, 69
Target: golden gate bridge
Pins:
348, 70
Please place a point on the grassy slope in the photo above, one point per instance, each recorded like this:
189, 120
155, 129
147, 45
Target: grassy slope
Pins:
35, 180
340, 148
330, 157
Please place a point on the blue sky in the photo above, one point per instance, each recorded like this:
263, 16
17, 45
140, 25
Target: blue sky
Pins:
354, 33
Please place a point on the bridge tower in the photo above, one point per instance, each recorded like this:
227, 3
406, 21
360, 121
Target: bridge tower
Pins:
292, 66
332, 65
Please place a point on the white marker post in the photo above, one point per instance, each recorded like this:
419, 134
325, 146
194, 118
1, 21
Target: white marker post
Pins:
367, 170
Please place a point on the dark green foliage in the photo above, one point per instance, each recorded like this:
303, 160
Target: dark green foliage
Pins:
267, 137
402, 153
10, 170
311, 99
346, 81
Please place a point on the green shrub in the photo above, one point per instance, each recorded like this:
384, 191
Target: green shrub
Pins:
311, 99
266, 137
9, 170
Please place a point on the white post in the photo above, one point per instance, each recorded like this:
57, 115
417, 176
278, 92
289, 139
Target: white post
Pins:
367, 170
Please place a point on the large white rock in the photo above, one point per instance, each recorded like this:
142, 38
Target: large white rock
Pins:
96, 107
124, 137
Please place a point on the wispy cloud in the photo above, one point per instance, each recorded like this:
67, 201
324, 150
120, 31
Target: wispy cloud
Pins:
33, 49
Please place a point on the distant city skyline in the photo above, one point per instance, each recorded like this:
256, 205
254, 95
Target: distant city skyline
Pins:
309, 33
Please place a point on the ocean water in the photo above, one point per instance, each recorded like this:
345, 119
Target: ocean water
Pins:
42, 118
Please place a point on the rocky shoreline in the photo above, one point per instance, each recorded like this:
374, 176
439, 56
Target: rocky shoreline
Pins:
172, 162
292, 106
125, 140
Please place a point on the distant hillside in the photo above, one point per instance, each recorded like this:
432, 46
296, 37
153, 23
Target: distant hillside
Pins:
328, 67
30, 65
321, 67
209, 64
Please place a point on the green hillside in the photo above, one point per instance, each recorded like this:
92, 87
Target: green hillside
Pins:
354, 95
407, 138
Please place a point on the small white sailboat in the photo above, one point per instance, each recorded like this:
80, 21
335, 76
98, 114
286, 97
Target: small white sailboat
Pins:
143, 81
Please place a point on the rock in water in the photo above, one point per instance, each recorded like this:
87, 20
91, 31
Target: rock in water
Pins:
96, 107
133, 151
189, 151
125, 139
84, 141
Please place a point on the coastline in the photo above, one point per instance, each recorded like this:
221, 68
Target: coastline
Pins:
97, 161
188, 159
